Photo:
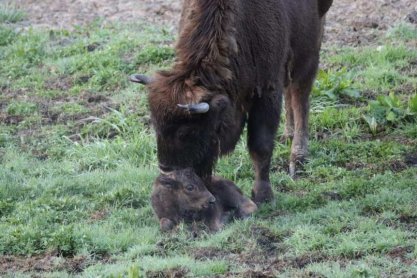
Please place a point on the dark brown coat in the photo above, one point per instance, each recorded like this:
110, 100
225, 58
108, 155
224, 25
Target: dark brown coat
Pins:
182, 196
237, 59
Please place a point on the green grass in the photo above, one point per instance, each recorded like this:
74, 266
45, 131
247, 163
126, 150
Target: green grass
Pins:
78, 159
9, 14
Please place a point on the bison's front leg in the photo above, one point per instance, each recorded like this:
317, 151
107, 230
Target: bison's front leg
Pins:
262, 126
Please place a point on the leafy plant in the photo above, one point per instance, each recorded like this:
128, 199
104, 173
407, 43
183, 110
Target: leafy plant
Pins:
389, 110
335, 85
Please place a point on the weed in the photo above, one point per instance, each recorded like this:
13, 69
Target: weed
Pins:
335, 85
9, 14
390, 110
7, 35
21, 108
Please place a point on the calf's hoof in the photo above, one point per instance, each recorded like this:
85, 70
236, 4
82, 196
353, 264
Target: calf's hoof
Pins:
166, 224
262, 192
215, 226
247, 208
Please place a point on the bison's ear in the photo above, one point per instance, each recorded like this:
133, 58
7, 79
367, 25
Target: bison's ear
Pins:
141, 79
168, 182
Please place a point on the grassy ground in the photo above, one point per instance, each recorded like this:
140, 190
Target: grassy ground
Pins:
78, 160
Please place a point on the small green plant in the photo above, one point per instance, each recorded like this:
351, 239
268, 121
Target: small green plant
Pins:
7, 35
155, 55
9, 14
335, 85
389, 110
21, 108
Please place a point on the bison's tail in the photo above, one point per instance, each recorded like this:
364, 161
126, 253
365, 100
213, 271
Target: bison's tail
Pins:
324, 6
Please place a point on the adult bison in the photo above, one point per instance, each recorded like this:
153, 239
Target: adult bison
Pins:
235, 61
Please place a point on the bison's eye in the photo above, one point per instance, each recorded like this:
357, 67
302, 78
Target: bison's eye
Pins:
189, 187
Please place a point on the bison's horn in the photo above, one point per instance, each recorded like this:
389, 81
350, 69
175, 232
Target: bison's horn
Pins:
140, 78
200, 108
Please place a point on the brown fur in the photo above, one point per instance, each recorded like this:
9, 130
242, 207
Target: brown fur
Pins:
238, 56
172, 202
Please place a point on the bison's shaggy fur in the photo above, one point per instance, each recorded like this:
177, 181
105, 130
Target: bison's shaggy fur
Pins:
240, 57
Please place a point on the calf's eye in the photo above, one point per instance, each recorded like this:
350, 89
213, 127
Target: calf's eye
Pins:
189, 188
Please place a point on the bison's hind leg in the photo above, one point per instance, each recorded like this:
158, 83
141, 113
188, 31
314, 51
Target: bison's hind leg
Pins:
289, 117
297, 96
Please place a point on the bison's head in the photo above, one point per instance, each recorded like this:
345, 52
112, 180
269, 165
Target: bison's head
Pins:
186, 119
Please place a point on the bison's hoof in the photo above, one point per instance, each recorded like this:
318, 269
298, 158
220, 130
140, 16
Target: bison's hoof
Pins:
166, 224
262, 192
296, 168
286, 139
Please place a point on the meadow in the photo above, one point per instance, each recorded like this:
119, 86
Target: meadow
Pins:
78, 159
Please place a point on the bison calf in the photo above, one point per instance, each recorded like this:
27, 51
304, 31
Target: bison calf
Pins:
182, 196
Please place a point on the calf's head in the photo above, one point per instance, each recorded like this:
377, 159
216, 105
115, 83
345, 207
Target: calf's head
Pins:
185, 191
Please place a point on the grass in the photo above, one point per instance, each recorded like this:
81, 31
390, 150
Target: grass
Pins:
9, 14
78, 159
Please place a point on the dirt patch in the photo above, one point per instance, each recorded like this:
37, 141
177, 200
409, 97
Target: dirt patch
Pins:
44, 263
411, 159
408, 219
205, 254
267, 240
98, 215
10, 119
332, 196
401, 254
403, 221
256, 274
271, 266
305, 260
61, 83
358, 22
395, 166
169, 273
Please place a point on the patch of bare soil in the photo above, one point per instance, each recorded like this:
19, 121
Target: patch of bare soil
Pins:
43, 263
349, 22
411, 159
266, 259
400, 253
395, 166
169, 273
209, 253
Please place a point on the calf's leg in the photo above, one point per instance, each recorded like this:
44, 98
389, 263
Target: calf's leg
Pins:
262, 126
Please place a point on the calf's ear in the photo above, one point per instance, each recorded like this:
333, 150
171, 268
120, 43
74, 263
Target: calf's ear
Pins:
168, 182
